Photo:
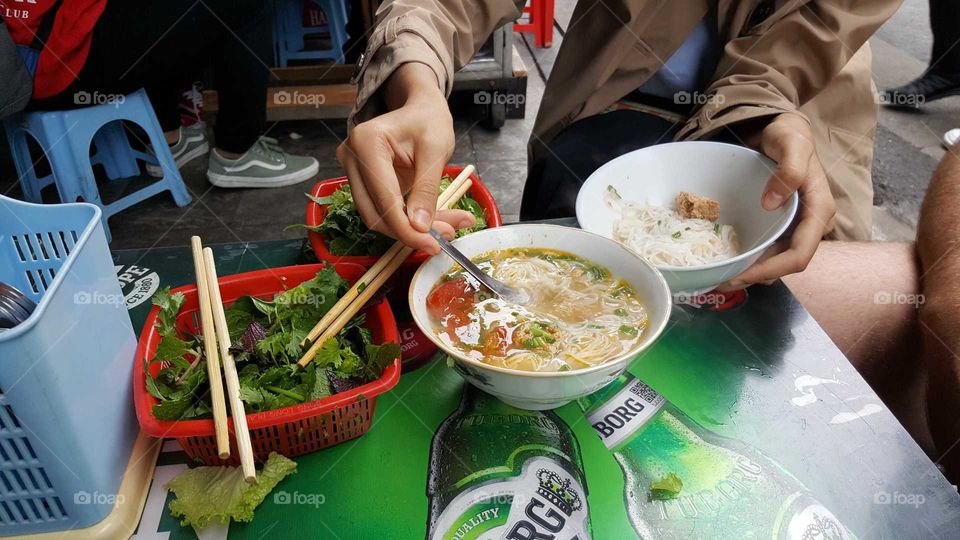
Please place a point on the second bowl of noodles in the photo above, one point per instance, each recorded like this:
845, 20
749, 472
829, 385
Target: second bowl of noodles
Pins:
595, 306
691, 208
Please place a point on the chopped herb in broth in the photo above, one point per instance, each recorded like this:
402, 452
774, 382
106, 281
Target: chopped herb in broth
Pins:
579, 315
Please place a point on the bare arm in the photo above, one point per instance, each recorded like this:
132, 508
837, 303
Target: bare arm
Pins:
938, 240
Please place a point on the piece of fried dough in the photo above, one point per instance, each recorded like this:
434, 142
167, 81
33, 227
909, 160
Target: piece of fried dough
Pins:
694, 206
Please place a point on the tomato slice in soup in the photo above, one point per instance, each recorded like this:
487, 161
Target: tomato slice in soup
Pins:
454, 297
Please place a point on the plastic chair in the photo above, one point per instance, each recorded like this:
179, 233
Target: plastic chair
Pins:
540, 13
65, 138
289, 32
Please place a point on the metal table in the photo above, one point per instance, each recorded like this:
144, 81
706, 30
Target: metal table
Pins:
761, 382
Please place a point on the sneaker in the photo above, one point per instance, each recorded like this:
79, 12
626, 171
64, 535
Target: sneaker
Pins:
930, 86
264, 165
192, 144
950, 138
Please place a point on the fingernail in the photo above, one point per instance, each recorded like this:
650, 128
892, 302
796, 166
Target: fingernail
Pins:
421, 218
772, 200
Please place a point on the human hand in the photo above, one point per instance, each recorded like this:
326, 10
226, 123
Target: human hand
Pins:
404, 152
789, 141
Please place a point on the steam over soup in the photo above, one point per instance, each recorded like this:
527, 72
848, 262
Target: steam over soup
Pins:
579, 315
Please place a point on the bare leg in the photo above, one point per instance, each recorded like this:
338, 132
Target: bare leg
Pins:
938, 237
864, 295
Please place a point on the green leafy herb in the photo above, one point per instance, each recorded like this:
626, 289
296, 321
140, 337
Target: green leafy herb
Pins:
666, 488
676, 235
206, 494
266, 336
628, 331
346, 234
620, 312
470, 205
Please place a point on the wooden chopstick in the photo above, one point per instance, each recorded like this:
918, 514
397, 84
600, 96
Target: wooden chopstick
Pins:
384, 260
244, 446
374, 278
210, 348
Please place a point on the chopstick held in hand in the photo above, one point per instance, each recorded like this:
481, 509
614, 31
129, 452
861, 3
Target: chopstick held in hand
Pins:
374, 278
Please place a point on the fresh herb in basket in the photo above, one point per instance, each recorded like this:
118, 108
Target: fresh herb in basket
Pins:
346, 235
265, 337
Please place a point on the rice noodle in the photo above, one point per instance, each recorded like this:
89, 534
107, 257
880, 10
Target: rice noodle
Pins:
594, 316
663, 237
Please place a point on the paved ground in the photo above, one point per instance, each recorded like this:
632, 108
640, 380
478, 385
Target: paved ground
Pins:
907, 151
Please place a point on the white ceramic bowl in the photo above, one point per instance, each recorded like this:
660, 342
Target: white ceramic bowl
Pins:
540, 391
733, 175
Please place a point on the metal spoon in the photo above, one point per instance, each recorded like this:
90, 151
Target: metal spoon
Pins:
12, 311
14, 294
506, 293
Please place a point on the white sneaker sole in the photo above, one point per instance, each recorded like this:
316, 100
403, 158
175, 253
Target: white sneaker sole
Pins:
156, 171
289, 179
950, 138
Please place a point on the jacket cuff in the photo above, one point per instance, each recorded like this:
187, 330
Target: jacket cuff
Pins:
721, 112
399, 41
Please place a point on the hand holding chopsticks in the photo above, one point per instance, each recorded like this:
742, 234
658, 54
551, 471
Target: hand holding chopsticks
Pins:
361, 291
216, 337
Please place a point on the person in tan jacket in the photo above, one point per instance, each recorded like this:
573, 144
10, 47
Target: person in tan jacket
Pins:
788, 77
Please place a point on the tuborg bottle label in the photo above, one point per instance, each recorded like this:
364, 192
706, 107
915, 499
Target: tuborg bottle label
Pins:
544, 501
624, 413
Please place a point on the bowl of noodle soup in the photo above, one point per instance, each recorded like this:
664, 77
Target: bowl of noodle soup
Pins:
594, 307
633, 199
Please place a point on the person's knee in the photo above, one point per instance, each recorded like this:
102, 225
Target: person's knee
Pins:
863, 294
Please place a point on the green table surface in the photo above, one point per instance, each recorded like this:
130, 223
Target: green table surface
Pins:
763, 376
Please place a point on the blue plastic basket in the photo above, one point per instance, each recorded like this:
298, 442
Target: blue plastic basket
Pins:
66, 422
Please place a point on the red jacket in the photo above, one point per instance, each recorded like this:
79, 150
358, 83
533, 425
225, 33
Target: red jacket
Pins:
66, 49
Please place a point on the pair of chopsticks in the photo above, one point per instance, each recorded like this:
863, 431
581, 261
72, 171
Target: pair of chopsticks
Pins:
361, 291
216, 342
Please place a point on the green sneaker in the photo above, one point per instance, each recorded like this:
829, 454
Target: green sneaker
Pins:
264, 165
192, 144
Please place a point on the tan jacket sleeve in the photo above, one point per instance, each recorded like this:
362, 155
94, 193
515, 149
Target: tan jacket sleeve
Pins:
786, 60
443, 34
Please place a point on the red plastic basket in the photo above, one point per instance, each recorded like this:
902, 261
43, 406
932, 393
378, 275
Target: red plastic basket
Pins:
291, 431
316, 214
416, 346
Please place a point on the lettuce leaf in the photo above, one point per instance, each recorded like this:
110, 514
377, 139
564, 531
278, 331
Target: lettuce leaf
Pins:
205, 494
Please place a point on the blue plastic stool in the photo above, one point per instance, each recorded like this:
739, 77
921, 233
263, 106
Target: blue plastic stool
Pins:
65, 137
289, 34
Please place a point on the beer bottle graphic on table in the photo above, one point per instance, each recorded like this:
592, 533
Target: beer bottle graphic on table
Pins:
728, 490
498, 472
